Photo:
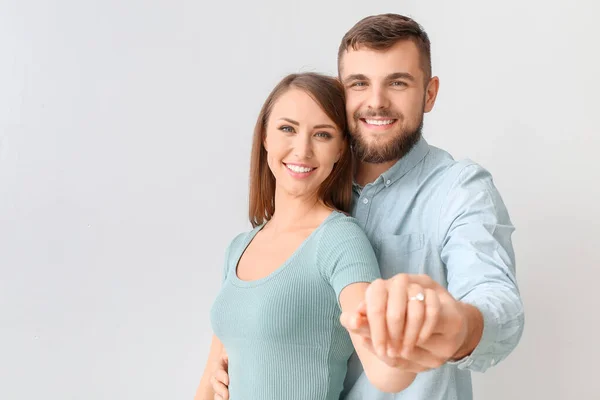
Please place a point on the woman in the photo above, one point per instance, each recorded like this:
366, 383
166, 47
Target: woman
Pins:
286, 282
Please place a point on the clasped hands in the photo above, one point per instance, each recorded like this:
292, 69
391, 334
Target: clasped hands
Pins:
411, 322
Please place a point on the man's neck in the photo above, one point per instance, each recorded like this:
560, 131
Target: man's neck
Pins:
367, 172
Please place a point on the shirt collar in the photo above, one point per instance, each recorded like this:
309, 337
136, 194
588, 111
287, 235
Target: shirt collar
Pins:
405, 164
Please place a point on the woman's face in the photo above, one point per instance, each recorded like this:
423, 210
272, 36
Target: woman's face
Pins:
302, 144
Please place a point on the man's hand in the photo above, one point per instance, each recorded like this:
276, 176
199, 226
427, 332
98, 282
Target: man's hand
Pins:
220, 379
412, 322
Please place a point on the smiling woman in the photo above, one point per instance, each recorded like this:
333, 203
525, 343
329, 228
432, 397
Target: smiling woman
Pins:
302, 127
287, 281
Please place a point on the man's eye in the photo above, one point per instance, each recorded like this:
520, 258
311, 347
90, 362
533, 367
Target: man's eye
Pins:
398, 83
358, 84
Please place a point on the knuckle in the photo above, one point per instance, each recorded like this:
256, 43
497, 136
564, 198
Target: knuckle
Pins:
378, 283
415, 288
400, 282
401, 279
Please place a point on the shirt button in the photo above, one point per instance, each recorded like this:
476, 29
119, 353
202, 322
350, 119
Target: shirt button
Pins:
493, 361
365, 201
388, 182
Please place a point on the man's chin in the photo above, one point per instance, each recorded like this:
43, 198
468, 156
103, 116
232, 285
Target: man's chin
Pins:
382, 150
372, 154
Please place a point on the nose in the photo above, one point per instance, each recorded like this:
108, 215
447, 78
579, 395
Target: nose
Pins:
378, 98
303, 146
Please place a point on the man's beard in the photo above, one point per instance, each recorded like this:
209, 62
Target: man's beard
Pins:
401, 142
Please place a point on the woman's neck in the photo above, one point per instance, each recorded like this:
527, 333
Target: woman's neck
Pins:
293, 212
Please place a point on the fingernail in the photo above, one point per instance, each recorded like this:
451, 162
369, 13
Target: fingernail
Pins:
381, 351
405, 353
391, 353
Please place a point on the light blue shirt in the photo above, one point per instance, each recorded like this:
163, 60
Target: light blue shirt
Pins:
430, 214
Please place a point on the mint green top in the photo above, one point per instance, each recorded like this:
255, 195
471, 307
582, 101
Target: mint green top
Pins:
282, 332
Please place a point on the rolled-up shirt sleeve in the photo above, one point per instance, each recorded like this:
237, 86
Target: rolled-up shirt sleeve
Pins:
476, 246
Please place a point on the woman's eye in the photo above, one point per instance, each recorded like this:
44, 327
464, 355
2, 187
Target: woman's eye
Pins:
286, 128
325, 135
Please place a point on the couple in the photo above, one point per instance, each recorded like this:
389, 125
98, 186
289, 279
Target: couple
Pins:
408, 294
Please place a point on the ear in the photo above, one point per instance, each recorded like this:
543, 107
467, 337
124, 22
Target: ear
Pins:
431, 93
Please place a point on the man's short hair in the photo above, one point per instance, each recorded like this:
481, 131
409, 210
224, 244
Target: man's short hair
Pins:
381, 32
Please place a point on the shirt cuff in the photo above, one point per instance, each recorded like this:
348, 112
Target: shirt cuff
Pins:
483, 355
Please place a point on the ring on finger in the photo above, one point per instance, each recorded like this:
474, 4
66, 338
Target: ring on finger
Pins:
419, 297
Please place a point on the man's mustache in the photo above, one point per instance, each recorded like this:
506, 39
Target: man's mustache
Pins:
383, 113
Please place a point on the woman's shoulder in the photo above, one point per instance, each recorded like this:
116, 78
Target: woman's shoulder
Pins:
240, 238
339, 226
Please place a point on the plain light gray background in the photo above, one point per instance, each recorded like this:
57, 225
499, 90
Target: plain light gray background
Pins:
125, 132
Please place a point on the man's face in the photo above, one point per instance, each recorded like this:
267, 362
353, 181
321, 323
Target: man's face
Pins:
386, 97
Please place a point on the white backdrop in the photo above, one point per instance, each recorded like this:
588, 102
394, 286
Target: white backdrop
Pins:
125, 132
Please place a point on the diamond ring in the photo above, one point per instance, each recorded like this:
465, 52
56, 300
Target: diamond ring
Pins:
419, 297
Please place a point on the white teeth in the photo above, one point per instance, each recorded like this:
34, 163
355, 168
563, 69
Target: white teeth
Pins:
379, 121
297, 168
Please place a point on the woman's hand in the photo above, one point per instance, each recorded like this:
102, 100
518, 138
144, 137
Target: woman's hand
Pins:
220, 378
409, 321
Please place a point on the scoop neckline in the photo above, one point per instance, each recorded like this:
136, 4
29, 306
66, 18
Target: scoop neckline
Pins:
256, 282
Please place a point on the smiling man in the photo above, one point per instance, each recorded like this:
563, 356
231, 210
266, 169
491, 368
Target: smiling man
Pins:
433, 221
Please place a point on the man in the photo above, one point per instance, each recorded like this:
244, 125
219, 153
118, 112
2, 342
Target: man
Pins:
432, 221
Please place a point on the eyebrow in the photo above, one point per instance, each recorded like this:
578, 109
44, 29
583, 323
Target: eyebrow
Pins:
400, 75
291, 121
356, 77
395, 75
